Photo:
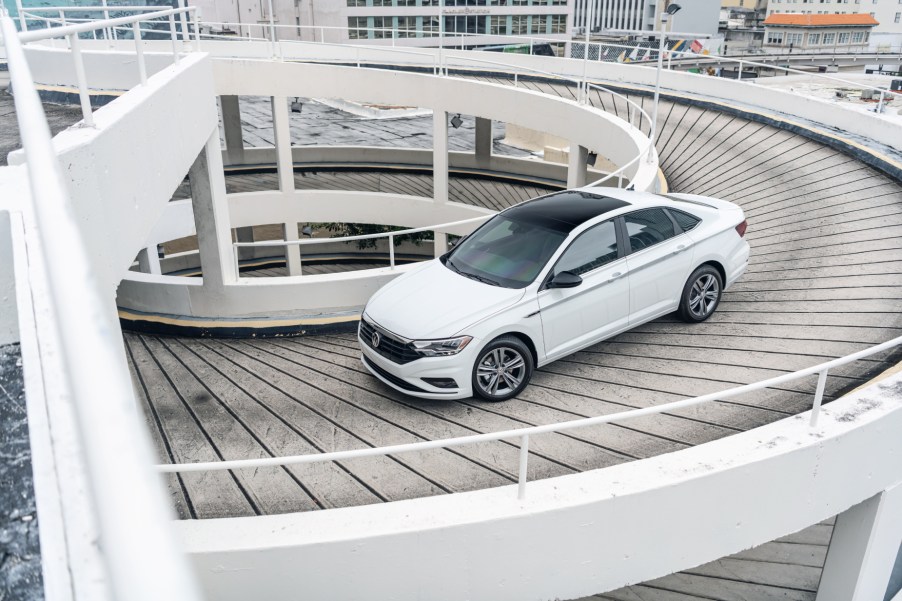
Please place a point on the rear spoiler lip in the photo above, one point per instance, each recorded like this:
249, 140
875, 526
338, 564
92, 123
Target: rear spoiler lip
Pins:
703, 201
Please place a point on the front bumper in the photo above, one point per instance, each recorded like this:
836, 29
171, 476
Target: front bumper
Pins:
408, 378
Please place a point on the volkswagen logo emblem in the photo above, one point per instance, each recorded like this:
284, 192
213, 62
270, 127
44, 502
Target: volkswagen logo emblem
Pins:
376, 339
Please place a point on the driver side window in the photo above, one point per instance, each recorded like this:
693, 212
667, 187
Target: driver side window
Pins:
594, 247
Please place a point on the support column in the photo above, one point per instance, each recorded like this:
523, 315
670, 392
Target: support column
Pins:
211, 215
577, 169
440, 171
231, 125
440, 156
245, 234
149, 261
285, 164
863, 550
483, 141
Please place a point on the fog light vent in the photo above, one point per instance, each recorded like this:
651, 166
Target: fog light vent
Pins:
441, 382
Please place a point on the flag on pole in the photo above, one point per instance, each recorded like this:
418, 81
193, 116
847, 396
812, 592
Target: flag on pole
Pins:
696, 46
647, 56
634, 55
622, 57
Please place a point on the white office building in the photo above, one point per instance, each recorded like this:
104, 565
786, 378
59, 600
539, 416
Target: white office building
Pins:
695, 16
411, 22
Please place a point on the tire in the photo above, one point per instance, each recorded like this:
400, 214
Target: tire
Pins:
701, 295
492, 384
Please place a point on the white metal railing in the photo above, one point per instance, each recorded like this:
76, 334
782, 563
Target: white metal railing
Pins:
116, 448
391, 34
71, 33
523, 434
389, 235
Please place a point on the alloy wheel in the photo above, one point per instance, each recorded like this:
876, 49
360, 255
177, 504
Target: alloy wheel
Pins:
704, 295
500, 371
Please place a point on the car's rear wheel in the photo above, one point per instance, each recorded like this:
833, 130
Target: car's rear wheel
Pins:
503, 369
701, 294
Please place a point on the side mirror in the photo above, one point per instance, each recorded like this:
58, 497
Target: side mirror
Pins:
565, 279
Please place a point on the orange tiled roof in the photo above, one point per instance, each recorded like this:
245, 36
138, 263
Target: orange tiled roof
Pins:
819, 20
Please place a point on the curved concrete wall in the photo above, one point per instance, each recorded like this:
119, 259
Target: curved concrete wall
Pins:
573, 535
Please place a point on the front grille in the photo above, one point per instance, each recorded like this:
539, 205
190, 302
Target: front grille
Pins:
389, 347
404, 385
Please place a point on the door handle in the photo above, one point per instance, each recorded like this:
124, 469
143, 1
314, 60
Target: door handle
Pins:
679, 249
616, 275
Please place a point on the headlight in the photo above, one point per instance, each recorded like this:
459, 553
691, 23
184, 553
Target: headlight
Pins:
441, 348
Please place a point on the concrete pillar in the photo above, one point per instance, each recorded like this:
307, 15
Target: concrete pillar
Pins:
440, 244
149, 260
285, 164
9, 317
577, 168
245, 234
440, 155
483, 141
211, 216
863, 550
231, 125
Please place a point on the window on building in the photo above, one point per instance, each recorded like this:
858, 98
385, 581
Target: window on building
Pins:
794, 39
898, 18
518, 24
357, 28
858, 37
498, 25
538, 25
407, 27
431, 27
356, 2
774, 37
380, 25
829, 38
559, 24
814, 39
844, 37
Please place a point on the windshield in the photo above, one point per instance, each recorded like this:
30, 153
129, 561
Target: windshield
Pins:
504, 252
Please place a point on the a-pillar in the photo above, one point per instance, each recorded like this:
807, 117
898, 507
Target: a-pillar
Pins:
577, 169
149, 260
211, 216
231, 126
483, 141
440, 171
285, 165
863, 550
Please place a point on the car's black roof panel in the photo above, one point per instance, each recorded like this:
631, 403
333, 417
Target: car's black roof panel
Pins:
564, 211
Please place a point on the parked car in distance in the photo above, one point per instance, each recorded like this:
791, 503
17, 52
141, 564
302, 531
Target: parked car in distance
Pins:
544, 279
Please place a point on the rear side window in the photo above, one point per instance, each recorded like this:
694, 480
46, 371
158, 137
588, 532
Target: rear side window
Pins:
591, 250
648, 227
685, 220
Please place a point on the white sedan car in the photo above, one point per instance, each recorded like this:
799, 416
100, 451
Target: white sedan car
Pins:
544, 279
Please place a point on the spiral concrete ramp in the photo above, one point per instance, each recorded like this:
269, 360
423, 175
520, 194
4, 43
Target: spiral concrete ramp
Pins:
824, 281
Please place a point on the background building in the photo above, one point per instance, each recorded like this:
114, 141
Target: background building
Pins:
695, 16
417, 22
818, 33
888, 14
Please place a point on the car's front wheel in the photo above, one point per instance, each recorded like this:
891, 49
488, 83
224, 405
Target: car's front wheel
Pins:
701, 294
503, 369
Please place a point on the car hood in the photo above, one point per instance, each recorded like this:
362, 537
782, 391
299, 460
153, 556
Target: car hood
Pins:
435, 302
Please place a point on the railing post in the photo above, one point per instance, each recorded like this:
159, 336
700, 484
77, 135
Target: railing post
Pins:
83, 96
818, 397
237, 262
516, 76
739, 75
139, 53
272, 30
880, 104
183, 17
521, 472
391, 251
174, 36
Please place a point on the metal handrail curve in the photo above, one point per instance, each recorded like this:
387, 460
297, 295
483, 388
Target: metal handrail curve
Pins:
523, 434
116, 449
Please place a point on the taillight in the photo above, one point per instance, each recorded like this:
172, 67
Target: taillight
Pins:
740, 229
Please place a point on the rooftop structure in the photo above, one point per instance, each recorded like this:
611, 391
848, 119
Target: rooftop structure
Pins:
825, 33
